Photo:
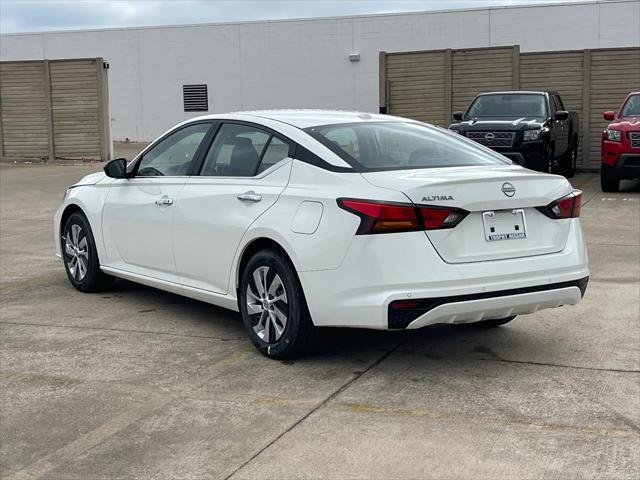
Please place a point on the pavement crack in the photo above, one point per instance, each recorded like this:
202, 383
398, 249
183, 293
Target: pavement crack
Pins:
497, 358
123, 330
317, 407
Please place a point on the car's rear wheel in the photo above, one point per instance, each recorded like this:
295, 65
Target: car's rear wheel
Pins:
81, 257
273, 306
492, 323
609, 181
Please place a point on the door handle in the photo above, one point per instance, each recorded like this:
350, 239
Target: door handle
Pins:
250, 196
164, 201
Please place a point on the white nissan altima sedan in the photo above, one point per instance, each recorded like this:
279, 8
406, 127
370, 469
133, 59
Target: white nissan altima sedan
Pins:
303, 219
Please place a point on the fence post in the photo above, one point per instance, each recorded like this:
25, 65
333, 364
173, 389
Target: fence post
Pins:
448, 63
586, 105
47, 94
383, 101
1, 135
515, 67
102, 110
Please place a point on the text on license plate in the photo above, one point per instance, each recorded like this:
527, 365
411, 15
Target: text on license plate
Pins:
504, 225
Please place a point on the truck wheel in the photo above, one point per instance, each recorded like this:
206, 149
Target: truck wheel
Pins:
609, 181
545, 164
568, 164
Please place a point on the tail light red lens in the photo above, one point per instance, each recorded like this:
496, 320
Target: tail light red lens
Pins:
565, 207
389, 217
435, 217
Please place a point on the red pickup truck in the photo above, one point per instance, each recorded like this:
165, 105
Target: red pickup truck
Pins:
620, 144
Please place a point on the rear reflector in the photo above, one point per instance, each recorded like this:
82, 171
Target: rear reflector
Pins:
390, 217
566, 207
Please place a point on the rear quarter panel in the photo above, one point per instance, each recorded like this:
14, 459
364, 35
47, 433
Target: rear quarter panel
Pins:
324, 248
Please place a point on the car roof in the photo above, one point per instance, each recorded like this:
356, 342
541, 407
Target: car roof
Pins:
306, 118
536, 92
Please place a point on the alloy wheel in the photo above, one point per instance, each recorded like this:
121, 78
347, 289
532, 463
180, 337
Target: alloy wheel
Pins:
76, 249
267, 304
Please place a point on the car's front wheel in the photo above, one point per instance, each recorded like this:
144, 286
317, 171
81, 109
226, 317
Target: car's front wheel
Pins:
273, 306
568, 164
546, 162
81, 257
609, 181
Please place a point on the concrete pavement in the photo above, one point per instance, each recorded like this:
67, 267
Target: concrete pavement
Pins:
135, 382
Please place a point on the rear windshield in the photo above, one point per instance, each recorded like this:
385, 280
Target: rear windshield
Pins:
631, 107
402, 145
511, 105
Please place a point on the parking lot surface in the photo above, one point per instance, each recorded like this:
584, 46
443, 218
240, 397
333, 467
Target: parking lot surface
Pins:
136, 382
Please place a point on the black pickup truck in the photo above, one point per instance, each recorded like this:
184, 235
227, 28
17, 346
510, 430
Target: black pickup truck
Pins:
531, 128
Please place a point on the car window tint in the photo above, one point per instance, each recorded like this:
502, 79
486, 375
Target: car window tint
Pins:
172, 155
344, 138
559, 103
403, 145
508, 105
632, 107
235, 152
276, 151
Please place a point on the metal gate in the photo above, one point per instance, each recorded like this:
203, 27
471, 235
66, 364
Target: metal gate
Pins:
429, 85
54, 109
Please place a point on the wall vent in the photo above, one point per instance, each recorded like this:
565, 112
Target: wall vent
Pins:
195, 98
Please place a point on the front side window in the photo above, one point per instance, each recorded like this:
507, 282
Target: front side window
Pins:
511, 105
236, 151
631, 107
172, 155
403, 145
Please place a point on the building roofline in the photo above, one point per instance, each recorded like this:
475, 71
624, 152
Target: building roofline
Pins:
335, 17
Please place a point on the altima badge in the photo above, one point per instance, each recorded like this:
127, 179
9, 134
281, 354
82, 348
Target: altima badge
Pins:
432, 198
508, 189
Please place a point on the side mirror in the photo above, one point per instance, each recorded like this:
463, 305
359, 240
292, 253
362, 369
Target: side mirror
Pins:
561, 115
457, 116
116, 168
609, 115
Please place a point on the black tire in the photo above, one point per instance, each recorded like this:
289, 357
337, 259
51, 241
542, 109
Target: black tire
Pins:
492, 323
78, 251
568, 164
280, 293
545, 163
609, 181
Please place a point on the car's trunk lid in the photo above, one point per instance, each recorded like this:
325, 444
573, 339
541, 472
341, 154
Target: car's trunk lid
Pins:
504, 190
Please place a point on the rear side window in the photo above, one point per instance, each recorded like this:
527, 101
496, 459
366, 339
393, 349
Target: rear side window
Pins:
276, 151
402, 145
242, 151
235, 152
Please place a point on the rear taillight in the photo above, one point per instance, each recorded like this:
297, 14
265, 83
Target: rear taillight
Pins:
390, 217
565, 207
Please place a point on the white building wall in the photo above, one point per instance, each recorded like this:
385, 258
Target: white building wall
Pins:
304, 63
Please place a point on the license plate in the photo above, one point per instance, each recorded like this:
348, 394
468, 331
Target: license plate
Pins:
504, 225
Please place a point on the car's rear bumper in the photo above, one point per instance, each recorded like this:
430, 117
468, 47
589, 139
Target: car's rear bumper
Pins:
378, 270
485, 306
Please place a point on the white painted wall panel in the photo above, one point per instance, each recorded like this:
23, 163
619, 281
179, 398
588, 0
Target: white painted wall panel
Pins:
304, 63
